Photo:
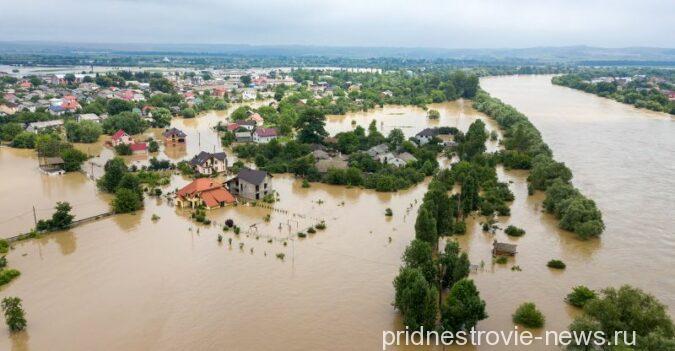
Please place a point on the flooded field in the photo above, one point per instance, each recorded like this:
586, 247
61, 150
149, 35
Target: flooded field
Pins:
131, 283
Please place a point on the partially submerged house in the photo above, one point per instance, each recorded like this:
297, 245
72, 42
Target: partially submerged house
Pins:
207, 163
425, 135
51, 165
250, 184
503, 249
204, 192
174, 136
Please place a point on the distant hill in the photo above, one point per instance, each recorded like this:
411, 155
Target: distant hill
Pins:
535, 54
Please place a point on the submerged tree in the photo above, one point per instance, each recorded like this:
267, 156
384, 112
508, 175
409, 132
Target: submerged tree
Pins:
416, 299
463, 307
14, 314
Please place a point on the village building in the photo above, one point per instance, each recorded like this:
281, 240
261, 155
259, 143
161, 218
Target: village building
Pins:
92, 117
209, 163
51, 165
250, 184
263, 135
174, 136
257, 118
120, 137
204, 192
36, 127
139, 148
425, 136
323, 165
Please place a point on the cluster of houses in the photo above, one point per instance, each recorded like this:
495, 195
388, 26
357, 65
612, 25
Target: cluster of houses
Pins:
56, 95
247, 184
252, 129
644, 83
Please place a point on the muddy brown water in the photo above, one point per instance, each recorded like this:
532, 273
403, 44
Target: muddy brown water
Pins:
130, 283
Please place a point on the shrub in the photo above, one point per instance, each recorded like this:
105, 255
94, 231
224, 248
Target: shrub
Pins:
388, 212
229, 223
528, 316
281, 256
311, 230
123, 149
514, 231
302, 235
3, 262
556, 264
501, 260
305, 183
7, 275
14, 315
4, 246
321, 225
580, 295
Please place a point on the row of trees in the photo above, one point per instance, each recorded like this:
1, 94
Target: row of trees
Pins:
525, 149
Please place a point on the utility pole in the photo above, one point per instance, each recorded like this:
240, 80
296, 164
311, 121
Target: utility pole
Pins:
34, 217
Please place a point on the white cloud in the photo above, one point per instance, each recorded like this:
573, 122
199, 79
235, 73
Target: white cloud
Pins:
433, 23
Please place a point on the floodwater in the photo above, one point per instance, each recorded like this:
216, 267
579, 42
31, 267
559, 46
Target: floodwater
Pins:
128, 282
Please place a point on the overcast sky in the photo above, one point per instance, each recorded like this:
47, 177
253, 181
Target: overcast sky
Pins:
413, 23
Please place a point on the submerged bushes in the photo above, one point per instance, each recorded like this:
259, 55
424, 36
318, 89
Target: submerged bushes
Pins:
525, 149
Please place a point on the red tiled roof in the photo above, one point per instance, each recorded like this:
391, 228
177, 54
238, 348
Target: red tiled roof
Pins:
256, 117
138, 146
210, 191
265, 132
232, 127
118, 134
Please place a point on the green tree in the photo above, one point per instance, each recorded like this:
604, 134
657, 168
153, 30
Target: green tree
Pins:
463, 308
311, 126
117, 106
419, 254
127, 121
415, 299
126, 201
395, 139
161, 117
454, 264
115, 169
529, 316
580, 295
425, 226
73, 159
240, 113
161, 84
188, 112
9, 131
62, 219
628, 309
246, 79
83, 132
24, 140
14, 314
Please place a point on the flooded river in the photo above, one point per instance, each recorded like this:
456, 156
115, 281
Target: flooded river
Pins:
131, 283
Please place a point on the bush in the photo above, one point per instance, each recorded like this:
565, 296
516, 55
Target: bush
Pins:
501, 260
123, 149
556, 264
188, 112
302, 235
321, 225
4, 246
580, 295
311, 230
514, 231
528, 316
126, 200
7, 275
305, 183
229, 223
3, 262
388, 212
